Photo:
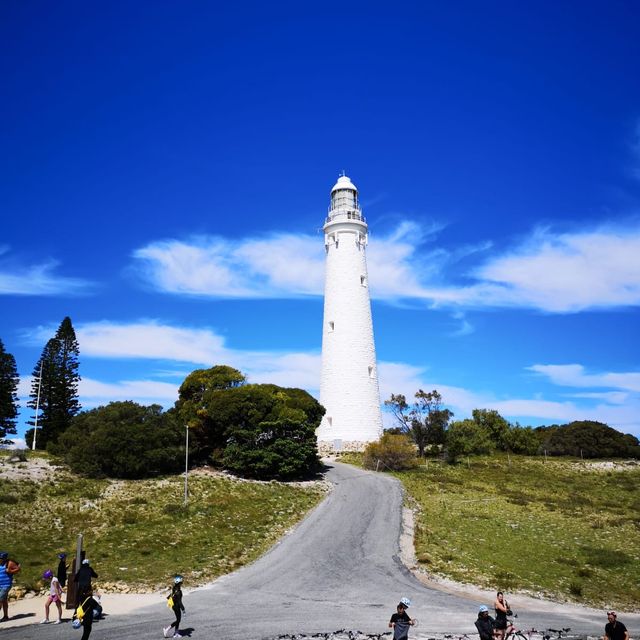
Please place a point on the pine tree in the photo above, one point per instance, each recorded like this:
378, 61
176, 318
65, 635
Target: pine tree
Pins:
8, 397
56, 373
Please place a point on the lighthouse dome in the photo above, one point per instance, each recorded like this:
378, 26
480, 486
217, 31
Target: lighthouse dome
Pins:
344, 182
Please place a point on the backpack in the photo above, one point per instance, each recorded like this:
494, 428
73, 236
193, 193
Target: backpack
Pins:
80, 612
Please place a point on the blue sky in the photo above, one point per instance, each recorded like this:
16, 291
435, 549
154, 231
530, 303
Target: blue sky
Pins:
166, 169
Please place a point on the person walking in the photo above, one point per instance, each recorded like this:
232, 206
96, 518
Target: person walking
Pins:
83, 580
175, 603
8, 568
484, 623
400, 620
88, 605
61, 573
55, 595
614, 630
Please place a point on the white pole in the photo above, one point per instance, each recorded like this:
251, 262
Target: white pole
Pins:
35, 426
186, 467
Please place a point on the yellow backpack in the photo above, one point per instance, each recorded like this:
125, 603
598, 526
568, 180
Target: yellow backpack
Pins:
80, 612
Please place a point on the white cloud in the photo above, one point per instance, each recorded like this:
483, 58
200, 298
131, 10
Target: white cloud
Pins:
150, 339
94, 393
574, 375
38, 280
16, 443
567, 272
559, 273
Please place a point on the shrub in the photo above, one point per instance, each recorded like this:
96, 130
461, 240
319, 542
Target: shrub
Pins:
122, 440
467, 437
392, 451
588, 439
269, 431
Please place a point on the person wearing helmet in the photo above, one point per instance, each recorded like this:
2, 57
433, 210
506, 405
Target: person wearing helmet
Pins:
175, 602
83, 579
7, 570
484, 623
62, 569
55, 595
400, 620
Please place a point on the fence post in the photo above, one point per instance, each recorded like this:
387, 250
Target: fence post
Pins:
377, 464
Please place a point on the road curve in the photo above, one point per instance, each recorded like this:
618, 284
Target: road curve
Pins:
338, 569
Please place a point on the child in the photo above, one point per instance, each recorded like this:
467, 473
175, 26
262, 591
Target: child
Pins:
55, 595
177, 608
400, 620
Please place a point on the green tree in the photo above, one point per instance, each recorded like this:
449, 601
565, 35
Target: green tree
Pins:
494, 424
425, 421
122, 440
56, 378
522, 440
588, 439
467, 437
8, 394
269, 431
393, 451
200, 404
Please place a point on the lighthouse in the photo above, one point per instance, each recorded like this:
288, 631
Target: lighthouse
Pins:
349, 377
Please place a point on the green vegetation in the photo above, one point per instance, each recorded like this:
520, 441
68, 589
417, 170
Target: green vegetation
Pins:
9, 380
561, 528
587, 439
54, 389
122, 440
139, 532
392, 452
258, 431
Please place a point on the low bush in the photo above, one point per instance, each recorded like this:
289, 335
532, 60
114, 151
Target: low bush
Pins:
393, 451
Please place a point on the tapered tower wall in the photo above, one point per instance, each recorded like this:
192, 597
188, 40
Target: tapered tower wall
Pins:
349, 377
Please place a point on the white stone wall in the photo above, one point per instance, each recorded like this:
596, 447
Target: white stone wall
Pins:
349, 378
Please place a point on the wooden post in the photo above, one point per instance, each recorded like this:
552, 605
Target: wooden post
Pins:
72, 588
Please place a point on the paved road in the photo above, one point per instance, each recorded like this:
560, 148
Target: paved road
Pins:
338, 569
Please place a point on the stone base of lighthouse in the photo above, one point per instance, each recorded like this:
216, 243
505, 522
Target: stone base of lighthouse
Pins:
331, 447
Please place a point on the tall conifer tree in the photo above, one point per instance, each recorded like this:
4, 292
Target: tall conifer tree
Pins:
8, 397
58, 385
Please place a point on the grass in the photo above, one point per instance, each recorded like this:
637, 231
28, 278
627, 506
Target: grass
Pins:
139, 532
560, 529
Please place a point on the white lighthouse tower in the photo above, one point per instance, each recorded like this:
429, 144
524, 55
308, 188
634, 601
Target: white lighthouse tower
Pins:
349, 378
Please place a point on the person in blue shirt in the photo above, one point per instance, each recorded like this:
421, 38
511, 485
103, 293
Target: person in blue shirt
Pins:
8, 568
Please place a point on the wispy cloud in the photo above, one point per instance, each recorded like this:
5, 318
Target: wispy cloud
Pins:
37, 280
575, 375
566, 272
551, 272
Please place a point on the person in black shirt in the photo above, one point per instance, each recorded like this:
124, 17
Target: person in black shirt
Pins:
501, 607
62, 570
88, 605
400, 621
177, 608
484, 623
83, 579
614, 630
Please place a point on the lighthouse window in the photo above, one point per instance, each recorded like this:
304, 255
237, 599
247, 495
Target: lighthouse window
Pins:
331, 325
330, 421
371, 372
363, 281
